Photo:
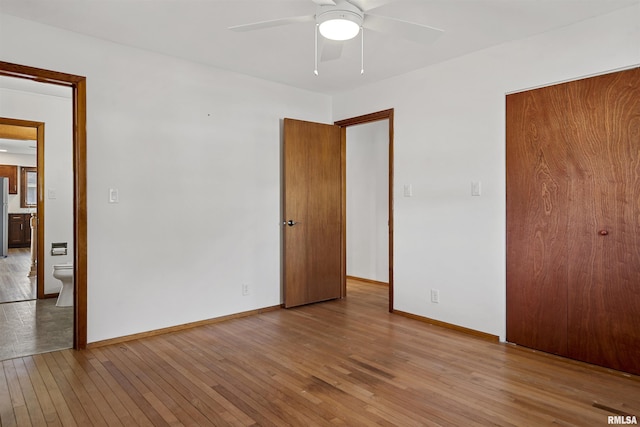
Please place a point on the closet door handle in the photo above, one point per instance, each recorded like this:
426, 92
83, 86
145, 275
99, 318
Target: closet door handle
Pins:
603, 232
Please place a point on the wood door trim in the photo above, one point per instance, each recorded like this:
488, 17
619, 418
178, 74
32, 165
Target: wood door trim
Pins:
36, 128
19, 132
367, 118
79, 102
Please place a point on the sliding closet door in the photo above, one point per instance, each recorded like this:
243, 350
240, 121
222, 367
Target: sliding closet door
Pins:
537, 216
604, 220
573, 219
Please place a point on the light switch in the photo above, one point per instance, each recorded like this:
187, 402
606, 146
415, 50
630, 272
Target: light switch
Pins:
113, 195
51, 193
476, 188
408, 190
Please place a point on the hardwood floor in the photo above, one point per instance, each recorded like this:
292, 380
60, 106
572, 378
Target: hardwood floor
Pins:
15, 285
347, 362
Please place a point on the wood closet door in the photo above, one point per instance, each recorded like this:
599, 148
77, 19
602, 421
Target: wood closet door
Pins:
537, 216
573, 219
604, 220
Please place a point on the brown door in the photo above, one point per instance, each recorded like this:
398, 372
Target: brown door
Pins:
312, 265
536, 222
604, 228
573, 215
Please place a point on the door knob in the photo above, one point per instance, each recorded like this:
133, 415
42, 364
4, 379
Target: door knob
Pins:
291, 223
603, 232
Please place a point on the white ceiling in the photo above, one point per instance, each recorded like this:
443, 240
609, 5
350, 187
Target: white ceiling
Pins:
24, 85
196, 30
17, 146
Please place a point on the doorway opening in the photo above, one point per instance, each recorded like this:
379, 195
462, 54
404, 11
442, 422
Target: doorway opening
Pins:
345, 124
23, 231
77, 84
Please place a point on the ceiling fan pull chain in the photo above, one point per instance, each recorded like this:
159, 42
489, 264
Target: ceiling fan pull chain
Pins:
315, 70
362, 51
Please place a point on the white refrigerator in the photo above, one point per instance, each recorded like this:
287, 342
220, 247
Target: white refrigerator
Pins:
4, 227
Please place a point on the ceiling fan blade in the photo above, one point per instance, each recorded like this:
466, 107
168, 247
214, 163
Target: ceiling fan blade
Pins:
408, 30
324, 2
331, 50
273, 23
365, 5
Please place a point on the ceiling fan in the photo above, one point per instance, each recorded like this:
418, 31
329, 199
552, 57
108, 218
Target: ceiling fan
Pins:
340, 20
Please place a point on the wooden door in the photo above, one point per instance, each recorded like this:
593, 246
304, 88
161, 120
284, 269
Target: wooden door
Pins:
537, 209
573, 219
603, 227
312, 265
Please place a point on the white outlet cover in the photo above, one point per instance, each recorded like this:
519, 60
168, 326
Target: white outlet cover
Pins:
114, 196
476, 188
435, 296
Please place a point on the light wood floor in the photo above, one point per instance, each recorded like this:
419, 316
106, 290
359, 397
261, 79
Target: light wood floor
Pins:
345, 362
15, 284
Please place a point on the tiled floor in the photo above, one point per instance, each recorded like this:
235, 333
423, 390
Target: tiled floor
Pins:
29, 327
32, 327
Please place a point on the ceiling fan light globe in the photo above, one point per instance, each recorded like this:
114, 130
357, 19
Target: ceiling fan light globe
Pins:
339, 29
340, 22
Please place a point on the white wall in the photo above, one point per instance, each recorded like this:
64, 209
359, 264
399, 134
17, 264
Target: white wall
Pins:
55, 112
449, 131
368, 201
195, 154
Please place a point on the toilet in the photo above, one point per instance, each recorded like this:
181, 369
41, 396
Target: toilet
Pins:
64, 273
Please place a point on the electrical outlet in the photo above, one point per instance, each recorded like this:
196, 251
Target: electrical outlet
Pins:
113, 195
245, 289
476, 188
435, 296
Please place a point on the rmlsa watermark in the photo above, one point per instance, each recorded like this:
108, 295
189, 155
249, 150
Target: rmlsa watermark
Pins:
622, 419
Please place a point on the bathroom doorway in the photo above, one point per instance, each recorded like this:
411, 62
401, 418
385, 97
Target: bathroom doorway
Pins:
77, 85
